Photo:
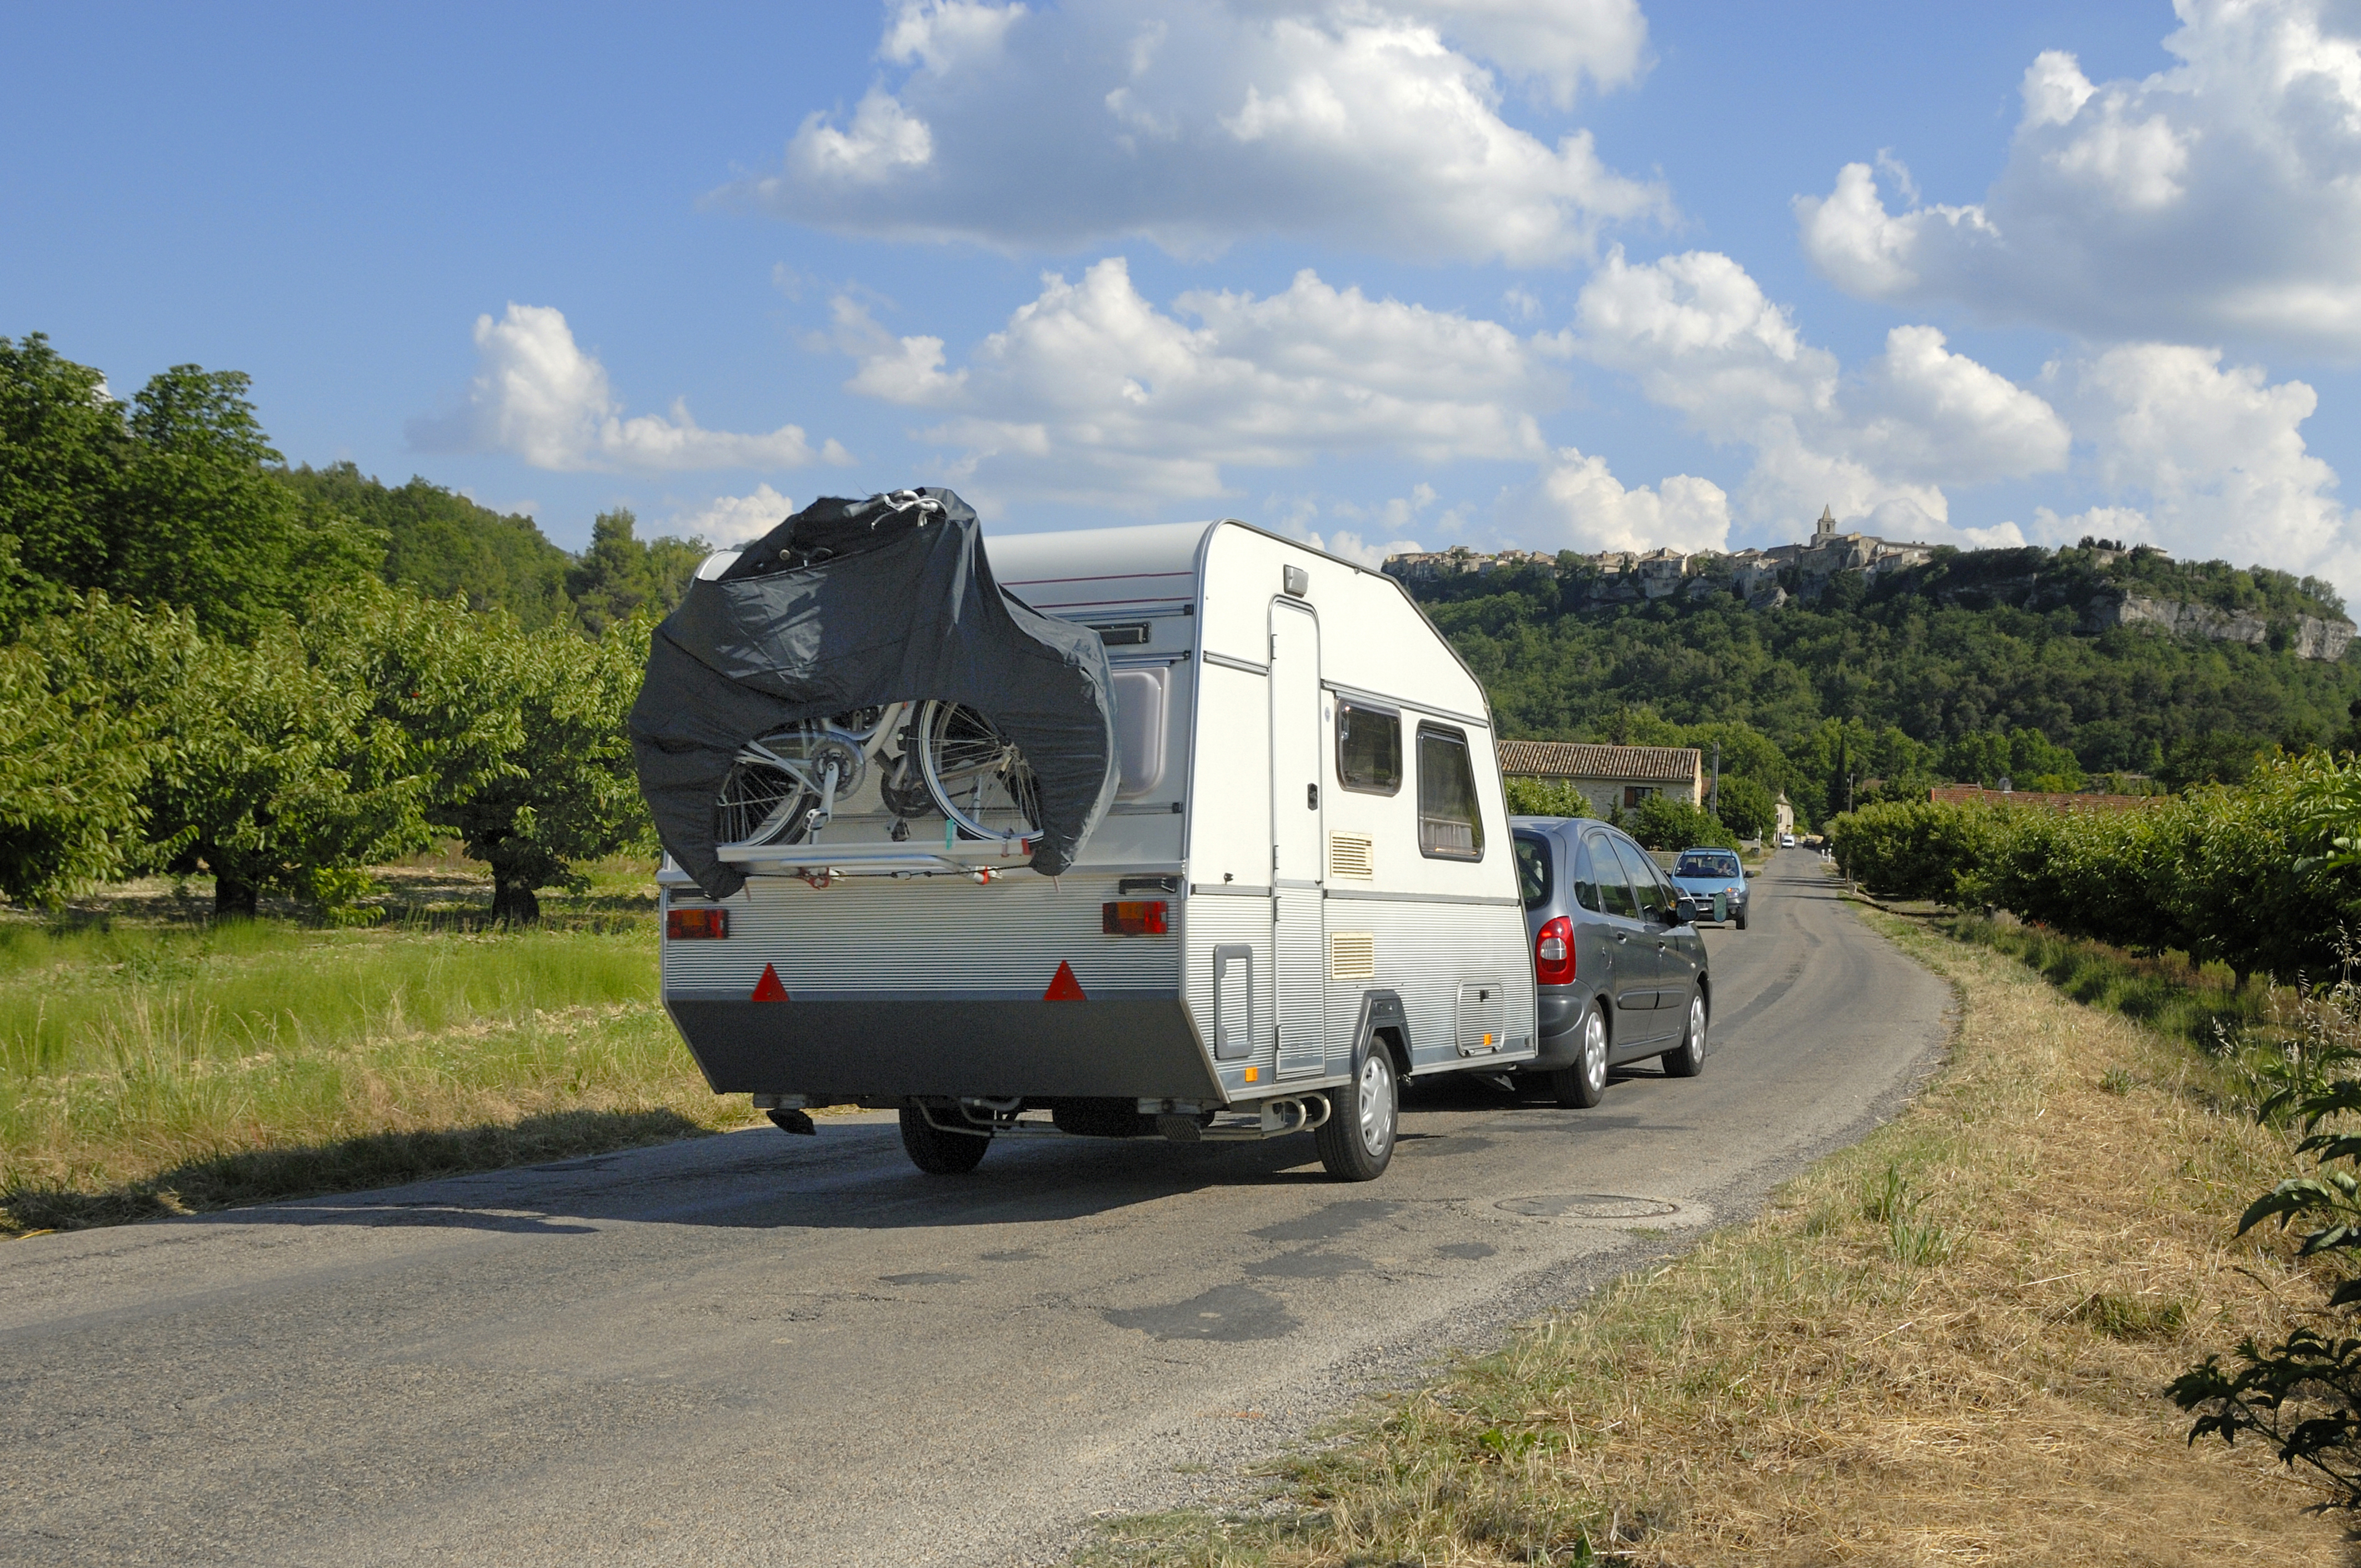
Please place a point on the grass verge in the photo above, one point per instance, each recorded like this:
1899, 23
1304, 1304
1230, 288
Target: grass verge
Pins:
150, 1067
1945, 1343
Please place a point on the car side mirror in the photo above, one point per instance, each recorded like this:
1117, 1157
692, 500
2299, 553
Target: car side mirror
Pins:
1754, 871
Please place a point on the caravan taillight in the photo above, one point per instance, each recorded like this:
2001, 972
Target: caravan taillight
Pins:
1554, 953
1133, 917
682, 925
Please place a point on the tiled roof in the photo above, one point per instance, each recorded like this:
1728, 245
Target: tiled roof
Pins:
1971, 795
1566, 760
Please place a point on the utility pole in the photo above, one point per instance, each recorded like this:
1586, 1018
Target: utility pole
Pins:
1716, 796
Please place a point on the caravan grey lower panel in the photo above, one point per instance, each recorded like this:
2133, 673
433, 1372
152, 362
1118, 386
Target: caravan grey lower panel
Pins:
883, 1050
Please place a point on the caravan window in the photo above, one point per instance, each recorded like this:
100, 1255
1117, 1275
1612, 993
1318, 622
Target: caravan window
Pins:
1450, 823
1368, 749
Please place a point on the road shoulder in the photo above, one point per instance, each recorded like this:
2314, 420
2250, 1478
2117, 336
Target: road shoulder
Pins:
1948, 1339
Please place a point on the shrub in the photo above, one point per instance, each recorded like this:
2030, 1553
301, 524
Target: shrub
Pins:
1662, 822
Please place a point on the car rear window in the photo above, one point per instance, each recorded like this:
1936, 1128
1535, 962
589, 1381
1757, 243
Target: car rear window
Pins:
1533, 870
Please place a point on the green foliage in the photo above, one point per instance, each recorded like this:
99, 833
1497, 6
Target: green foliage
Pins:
171, 502
1662, 822
1547, 798
2303, 1393
1930, 656
442, 544
1748, 808
620, 574
2235, 875
73, 768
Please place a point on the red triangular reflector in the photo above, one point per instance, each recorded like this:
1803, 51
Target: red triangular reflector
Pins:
1065, 987
768, 988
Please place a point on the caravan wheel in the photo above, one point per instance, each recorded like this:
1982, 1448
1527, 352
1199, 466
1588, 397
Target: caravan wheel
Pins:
936, 1152
1356, 1141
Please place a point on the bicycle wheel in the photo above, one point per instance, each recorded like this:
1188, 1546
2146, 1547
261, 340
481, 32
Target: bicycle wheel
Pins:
979, 779
760, 802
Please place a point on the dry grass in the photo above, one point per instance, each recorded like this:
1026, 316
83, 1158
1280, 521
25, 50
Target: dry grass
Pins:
1947, 1344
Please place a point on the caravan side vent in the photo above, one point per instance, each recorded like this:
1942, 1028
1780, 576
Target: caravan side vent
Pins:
1352, 855
1352, 955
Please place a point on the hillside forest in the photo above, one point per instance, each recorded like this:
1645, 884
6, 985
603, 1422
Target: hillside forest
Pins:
1879, 690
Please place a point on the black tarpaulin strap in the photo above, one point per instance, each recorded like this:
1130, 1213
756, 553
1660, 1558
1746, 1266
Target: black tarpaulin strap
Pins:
854, 603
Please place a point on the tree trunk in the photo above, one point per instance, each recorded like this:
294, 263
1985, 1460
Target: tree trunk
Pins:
514, 903
233, 898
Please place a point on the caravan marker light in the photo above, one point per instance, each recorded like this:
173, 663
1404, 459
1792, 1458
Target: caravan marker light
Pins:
768, 988
1063, 986
683, 925
1133, 917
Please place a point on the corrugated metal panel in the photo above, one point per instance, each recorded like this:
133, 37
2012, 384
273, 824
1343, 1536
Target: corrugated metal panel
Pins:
1483, 1008
1219, 921
939, 935
1424, 952
1302, 1050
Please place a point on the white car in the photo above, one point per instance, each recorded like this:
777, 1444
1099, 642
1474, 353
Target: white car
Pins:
1786, 840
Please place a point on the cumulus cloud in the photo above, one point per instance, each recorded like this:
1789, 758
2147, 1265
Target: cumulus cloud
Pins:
2219, 199
734, 520
537, 395
1194, 122
2206, 459
1698, 334
1584, 507
1092, 393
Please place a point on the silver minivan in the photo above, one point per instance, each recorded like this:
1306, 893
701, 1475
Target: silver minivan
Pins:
1618, 963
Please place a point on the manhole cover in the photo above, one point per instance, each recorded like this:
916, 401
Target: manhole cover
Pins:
1587, 1206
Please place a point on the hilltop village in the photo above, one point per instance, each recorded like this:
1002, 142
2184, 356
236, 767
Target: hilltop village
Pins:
2107, 584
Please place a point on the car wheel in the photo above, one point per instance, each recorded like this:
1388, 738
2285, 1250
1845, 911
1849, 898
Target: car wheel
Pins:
938, 1152
1583, 1084
1742, 919
1356, 1141
1688, 1060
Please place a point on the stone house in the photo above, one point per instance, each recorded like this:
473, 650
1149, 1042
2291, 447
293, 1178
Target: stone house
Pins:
1609, 777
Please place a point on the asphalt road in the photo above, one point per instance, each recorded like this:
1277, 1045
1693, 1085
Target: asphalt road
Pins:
763, 1349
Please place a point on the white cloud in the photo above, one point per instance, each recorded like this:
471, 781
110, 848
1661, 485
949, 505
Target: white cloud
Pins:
2206, 460
2219, 199
726, 520
1581, 506
1092, 393
538, 396
1195, 123
1699, 335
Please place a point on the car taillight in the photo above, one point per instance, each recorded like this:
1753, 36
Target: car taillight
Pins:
683, 925
1133, 917
1554, 953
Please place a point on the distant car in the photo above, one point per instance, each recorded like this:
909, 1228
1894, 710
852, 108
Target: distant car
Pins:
1619, 966
1786, 840
1703, 873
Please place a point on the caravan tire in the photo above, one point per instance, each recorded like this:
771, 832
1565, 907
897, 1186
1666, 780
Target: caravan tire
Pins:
936, 1152
1356, 1141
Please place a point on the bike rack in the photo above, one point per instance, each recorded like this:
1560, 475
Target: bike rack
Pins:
983, 859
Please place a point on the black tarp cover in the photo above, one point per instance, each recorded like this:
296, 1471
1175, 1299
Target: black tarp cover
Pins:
850, 604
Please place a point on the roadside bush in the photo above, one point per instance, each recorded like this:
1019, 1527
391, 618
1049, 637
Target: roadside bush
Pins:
1918, 848
1747, 808
1662, 823
1547, 798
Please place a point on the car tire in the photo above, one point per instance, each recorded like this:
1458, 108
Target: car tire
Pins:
1356, 1141
1583, 1084
1688, 1059
938, 1152
1742, 919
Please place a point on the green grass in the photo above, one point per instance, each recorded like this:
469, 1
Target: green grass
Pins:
149, 1066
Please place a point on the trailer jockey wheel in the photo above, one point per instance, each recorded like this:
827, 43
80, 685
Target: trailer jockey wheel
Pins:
938, 1152
1356, 1141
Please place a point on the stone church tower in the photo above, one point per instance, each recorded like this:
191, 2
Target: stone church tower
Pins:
1827, 530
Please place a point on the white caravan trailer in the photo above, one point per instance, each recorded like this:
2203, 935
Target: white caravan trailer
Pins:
1304, 892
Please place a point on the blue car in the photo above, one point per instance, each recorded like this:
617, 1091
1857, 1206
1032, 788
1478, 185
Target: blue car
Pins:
1701, 873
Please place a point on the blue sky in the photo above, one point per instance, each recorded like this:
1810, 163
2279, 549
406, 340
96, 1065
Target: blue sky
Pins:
1582, 273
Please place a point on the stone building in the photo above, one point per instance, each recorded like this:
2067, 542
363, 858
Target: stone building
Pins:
1609, 777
